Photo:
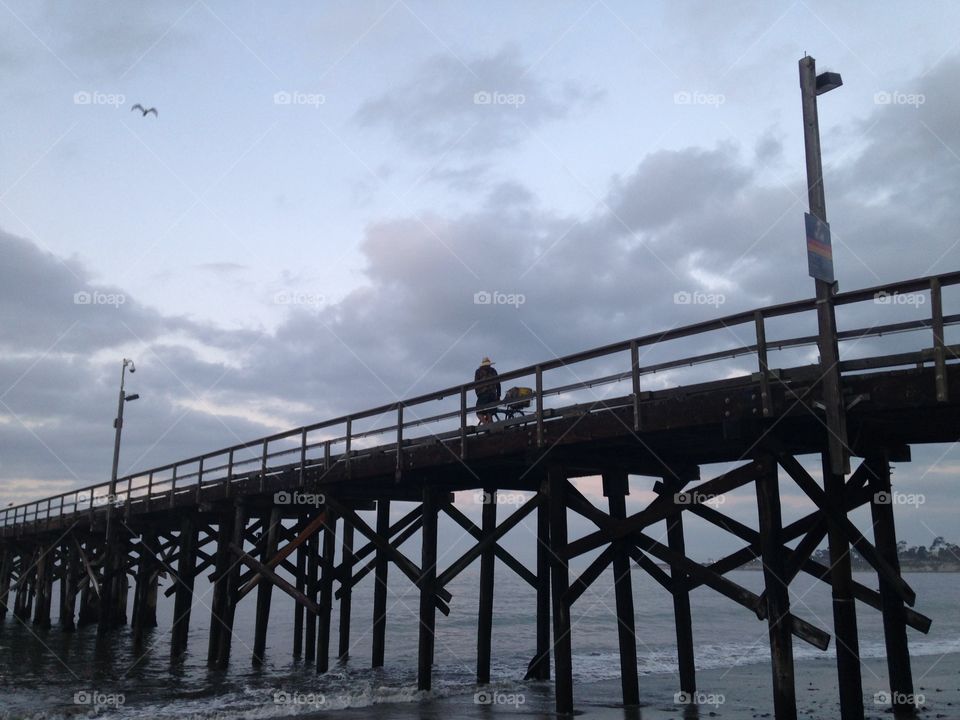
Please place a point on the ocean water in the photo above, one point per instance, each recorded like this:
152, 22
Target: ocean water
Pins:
51, 674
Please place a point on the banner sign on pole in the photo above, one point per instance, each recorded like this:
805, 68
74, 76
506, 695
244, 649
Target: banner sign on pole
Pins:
819, 249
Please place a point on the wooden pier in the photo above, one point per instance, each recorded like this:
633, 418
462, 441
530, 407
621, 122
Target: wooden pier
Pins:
263, 520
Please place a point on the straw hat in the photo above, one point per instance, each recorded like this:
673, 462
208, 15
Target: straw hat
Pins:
486, 361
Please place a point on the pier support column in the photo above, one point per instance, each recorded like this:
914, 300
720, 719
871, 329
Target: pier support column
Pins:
776, 590
312, 588
560, 575
616, 486
70, 561
846, 639
487, 559
301, 586
680, 590
186, 570
894, 617
428, 577
346, 597
6, 568
326, 591
231, 592
540, 666
221, 585
41, 615
145, 591
265, 588
380, 587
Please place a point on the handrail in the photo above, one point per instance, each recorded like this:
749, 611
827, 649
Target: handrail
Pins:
152, 480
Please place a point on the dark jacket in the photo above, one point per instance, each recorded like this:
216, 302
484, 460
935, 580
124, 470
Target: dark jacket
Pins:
488, 392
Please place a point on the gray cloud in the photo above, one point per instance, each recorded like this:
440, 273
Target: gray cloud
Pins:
486, 105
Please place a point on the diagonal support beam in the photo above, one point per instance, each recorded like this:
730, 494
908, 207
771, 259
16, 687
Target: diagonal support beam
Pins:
509, 560
270, 575
309, 531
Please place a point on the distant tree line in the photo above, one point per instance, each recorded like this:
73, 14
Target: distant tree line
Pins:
940, 556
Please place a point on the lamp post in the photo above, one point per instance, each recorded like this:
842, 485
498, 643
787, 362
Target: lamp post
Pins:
112, 566
836, 461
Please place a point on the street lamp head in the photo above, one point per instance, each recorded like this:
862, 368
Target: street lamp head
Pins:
135, 396
129, 363
828, 81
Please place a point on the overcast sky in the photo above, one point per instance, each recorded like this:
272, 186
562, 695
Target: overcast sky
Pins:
302, 229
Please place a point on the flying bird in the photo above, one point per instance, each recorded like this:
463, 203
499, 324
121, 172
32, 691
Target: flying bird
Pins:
145, 111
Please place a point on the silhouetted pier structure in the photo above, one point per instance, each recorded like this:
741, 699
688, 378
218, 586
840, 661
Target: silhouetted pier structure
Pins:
255, 514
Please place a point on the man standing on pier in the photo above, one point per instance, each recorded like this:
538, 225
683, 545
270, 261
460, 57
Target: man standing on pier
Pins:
488, 392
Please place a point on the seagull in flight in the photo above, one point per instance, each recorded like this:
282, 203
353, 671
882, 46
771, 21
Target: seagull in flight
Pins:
145, 111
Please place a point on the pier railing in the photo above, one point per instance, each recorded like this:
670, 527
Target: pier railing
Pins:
444, 415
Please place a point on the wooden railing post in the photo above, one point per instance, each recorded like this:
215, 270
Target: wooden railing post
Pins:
303, 459
263, 466
199, 479
762, 362
939, 355
173, 485
463, 422
399, 471
539, 406
635, 381
347, 449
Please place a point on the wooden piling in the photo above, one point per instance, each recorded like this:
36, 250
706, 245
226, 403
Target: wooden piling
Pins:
560, 575
680, 591
301, 586
312, 588
186, 570
326, 591
894, 618
428, 576
539, 668
221, 585
346, 568
616, 486
232, 590
487, 560
776, 591
265, 589
846, 638
380, 587
6, 569
41, 616
70, 572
